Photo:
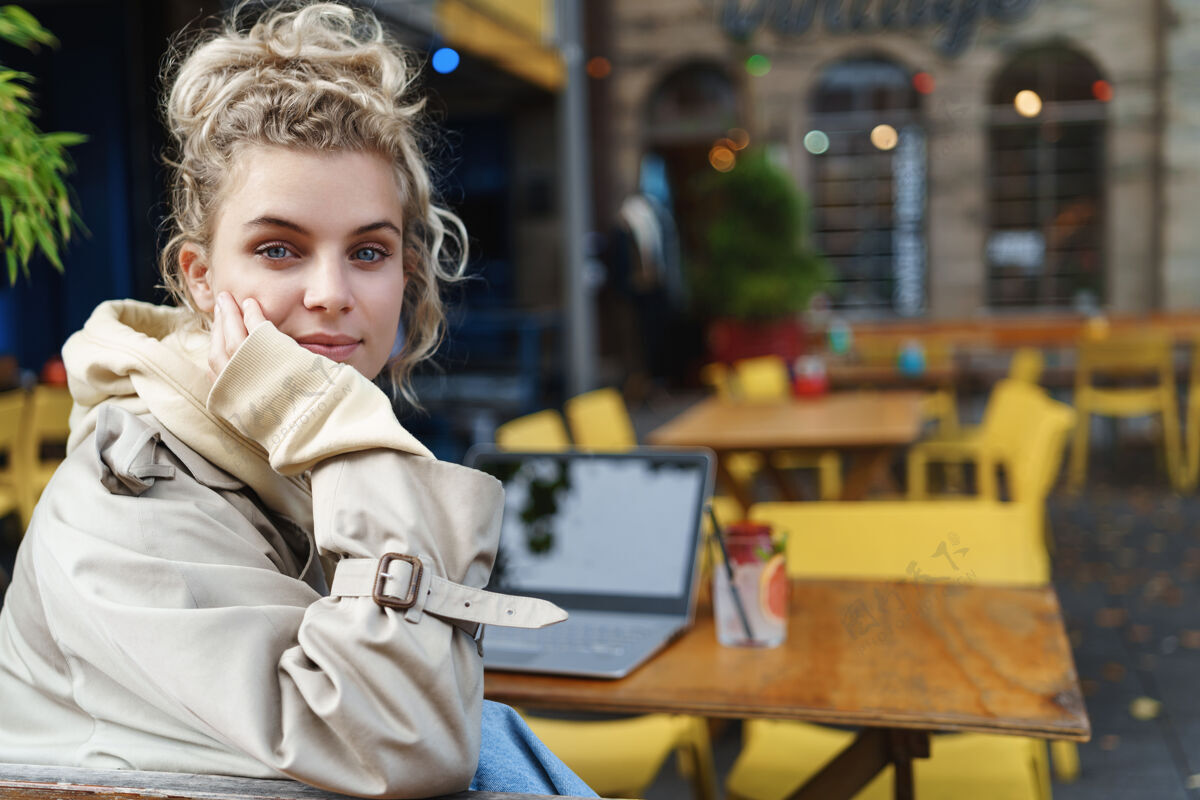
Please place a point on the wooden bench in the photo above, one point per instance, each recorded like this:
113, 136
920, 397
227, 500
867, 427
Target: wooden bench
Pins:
27, 782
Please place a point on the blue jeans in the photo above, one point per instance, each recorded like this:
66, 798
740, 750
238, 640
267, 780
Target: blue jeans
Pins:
512, 759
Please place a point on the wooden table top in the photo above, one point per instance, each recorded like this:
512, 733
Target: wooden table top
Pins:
837, 419
925, 656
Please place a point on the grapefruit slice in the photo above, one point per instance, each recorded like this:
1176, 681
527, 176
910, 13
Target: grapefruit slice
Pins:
773, 590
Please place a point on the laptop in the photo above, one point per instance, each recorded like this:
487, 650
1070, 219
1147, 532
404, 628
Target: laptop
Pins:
612, 538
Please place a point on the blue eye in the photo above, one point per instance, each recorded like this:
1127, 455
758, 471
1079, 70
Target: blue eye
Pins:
368, 254
276, 251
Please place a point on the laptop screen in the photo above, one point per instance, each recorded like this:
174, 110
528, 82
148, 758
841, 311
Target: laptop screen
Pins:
600, 531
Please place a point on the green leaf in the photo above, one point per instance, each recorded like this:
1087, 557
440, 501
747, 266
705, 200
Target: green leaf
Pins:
45, 237
11, 257
6, 208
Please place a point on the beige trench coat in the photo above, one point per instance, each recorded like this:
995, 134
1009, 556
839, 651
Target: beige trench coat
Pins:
162, 617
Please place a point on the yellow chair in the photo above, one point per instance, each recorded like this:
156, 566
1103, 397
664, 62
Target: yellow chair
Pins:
618, 757
12, 413
599, 420
900, 541
1142, 355
47, 427
766, 379
1192, 418
621, 757
543, 430
957, 445
987, 445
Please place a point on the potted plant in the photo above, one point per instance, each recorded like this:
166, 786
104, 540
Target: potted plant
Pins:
756, 270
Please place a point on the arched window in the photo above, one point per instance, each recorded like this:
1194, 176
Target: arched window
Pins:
690, 108
1046, 181
867, 145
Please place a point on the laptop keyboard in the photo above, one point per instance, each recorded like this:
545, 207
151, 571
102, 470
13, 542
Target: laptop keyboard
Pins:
603, 638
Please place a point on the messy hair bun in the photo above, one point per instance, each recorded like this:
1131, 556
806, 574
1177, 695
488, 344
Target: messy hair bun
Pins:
320, 77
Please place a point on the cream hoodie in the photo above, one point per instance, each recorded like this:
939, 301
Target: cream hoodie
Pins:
168, 611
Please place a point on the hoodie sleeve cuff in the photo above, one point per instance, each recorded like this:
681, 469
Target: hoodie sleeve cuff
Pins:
302, 407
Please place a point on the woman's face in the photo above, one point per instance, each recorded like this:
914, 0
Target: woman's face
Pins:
316, 239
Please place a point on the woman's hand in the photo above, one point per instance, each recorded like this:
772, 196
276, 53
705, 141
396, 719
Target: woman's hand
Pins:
230, 327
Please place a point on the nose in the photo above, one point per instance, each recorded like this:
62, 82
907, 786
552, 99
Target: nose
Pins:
328, 286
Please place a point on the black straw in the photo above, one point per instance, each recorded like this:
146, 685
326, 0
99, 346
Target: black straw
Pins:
737, 596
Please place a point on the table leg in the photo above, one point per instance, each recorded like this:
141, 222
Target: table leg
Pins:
856, 766
865, 466
778, 478
725, 479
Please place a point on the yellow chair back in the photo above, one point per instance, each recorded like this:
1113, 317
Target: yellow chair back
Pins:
763, 378
1027, 365
910, 540
12, 413
599, 420
48, 426
544, 430
718, 378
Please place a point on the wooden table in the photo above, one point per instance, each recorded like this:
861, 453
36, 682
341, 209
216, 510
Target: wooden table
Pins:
898, 660
866, 425
856, 375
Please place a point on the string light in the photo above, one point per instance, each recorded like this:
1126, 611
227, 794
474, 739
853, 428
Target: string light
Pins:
758, 65
721, 158
599, 67
1027, 103
816, 142
884, 137
445, 60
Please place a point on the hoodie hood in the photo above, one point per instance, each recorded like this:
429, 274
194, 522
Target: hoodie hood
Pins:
152, 359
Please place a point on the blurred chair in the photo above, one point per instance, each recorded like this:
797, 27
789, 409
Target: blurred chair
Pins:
1191, 418
766, 379
962, 444
622, 757
599, 420
617, 757
987, 446
1026, 365
1147, 356
12, 413
543, 430
47, 428
881, 540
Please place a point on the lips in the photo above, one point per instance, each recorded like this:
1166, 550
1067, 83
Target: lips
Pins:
335, 347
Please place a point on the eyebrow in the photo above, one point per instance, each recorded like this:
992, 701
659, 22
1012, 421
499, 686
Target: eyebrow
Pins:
277, 222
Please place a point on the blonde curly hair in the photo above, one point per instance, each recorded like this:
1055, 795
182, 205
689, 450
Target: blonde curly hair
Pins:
315, 76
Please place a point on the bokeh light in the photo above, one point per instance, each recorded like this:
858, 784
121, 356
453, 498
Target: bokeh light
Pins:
739, 137
721, 158
923, 82
1102, 91
816, 142
758, 65
599, 67
1027, 103
884, 137
445, 60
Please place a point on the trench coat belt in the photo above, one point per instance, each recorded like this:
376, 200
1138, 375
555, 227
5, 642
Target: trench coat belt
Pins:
404, 583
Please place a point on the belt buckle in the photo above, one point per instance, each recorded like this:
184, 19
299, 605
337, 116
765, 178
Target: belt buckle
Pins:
381, 577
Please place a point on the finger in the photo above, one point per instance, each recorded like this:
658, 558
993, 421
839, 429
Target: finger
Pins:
252, 314
232, 325
217, 357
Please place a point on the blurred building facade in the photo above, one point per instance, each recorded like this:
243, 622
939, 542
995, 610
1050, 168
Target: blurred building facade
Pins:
940, 187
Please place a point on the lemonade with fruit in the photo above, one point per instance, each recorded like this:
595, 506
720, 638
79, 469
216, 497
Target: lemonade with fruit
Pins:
760, 577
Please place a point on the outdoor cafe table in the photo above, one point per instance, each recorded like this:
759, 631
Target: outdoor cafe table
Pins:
866, 425
897, 660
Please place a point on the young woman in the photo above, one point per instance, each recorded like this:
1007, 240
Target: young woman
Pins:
169, 609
